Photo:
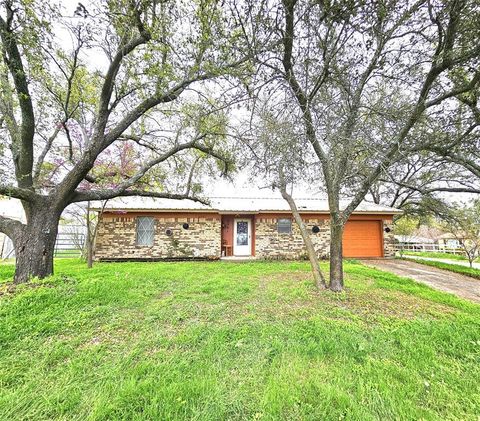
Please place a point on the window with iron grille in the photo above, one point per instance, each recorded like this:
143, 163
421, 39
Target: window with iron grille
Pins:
284, 226
145, 230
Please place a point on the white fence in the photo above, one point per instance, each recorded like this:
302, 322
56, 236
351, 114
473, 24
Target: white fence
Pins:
70, 243
427, 247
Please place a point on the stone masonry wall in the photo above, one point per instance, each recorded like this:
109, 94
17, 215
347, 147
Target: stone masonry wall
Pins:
388, 239
270, 244
116, 238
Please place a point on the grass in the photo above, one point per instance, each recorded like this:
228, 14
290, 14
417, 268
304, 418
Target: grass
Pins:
68, 253
234, 341
436, 255
452, 267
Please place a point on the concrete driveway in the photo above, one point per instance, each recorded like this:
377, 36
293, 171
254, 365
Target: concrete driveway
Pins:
460, 285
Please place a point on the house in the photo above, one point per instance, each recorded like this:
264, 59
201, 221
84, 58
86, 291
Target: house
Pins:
449, 241
413, 239
149, 229
414, 242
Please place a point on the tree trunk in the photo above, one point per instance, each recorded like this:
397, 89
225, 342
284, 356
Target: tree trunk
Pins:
35, 245
89, 239
336, 255
312, 255
89, 253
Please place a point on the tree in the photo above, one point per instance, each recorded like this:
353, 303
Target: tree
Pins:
405, 227
418, 176
366, 78
86, 217
61, 116
272, 152
463, 222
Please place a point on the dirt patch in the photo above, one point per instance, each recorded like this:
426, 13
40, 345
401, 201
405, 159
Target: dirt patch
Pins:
390, 304
9, 288
275, 300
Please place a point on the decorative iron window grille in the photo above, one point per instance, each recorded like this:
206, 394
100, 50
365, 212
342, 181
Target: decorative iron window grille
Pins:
145, 230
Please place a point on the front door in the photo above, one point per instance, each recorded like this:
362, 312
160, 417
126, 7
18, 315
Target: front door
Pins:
242, 238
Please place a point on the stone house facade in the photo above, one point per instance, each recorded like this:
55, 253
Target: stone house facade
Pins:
156, 230
117, 236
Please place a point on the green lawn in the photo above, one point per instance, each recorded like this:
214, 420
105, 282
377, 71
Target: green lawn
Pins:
68, 253
234, 341
436, 255
452, 267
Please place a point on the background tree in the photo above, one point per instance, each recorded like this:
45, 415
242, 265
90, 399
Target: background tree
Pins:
404, 228
64, 108
463, 222
367, 78
85, 216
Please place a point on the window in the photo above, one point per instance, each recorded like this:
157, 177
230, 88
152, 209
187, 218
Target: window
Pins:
452, 243
145, 230
284, 226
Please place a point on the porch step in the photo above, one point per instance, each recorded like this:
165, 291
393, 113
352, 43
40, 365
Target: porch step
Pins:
238, 258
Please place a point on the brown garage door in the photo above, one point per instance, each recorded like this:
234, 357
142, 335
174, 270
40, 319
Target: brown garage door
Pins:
363, 239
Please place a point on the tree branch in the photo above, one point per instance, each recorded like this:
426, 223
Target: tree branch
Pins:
109, 81
10, 227
82, 196
421, 104
18, 193
22, 152
288, 37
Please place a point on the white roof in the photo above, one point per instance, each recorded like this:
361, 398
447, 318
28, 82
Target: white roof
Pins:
235, 205
413, 239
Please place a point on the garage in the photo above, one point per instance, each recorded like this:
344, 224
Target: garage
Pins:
363, 239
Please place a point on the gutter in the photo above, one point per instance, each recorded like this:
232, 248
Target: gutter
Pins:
235, 212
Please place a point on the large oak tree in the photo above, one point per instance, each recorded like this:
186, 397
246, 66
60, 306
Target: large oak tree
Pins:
74, 86
366, 79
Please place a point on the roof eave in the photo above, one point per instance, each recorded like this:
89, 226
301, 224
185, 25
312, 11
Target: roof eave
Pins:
235, 212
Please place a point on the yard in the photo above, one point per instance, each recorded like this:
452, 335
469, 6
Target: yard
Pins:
439, 255
218, 340
452, 267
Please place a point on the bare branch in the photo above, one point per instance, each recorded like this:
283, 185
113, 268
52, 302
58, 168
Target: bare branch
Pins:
10, 227
18, 192
82, 196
